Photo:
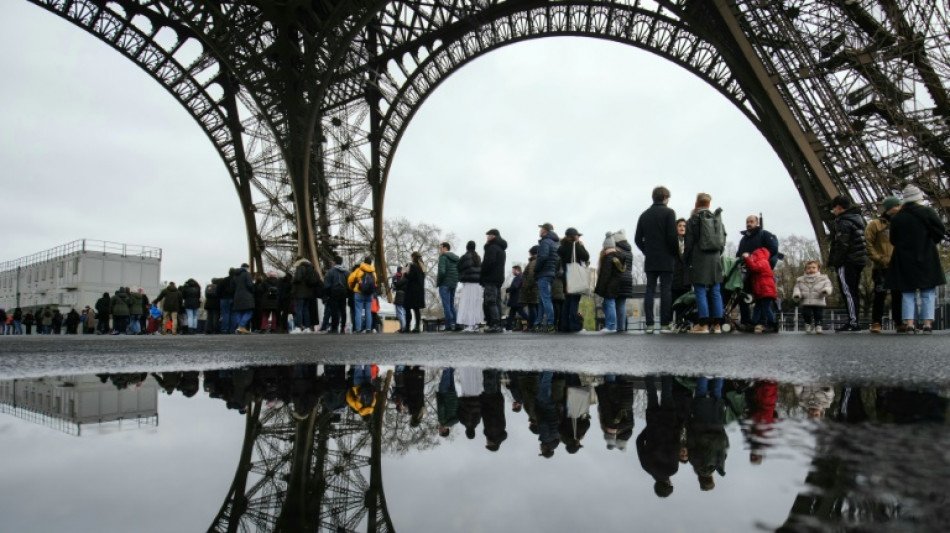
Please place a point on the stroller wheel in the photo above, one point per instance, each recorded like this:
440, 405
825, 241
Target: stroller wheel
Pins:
748, 298
726, 328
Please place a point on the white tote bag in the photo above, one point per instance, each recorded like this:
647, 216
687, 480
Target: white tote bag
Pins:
578, 275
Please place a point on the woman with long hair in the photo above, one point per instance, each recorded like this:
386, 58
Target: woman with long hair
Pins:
415, 292
470, 313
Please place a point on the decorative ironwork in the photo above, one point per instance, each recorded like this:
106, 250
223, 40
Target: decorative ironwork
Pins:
306, 102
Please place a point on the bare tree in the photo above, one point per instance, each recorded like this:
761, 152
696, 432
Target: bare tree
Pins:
401, 238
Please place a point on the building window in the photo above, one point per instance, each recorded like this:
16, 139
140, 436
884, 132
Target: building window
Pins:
76, 266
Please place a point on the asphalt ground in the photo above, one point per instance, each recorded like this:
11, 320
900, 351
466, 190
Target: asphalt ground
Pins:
886, 359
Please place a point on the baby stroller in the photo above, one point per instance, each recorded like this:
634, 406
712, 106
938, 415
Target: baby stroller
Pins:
732, 293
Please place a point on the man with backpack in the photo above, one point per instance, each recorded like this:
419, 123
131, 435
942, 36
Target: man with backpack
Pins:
304, 290
656, 238
335, 286
363, 282
702, 253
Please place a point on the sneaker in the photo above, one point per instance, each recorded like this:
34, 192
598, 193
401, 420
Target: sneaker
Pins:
699, 329
716, 329
667, 329
927, 330
818, 330
876, 327
648, 329
809, 329
759, 329
605, 330
240, 330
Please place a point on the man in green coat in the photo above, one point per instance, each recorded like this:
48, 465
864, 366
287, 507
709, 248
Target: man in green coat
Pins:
447, 280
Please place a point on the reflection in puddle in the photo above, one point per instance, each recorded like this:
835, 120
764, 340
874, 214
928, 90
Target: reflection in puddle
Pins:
493, 449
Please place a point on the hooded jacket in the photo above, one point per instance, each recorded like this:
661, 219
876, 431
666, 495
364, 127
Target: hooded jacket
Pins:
493, 266
354, 280
609, 274
171, 299
546, 266
848, 245
305, 280
448, 275
191, 292
119, 304
626, 277
243, 291
763, 280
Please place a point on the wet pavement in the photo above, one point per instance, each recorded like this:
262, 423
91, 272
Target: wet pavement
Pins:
442, 432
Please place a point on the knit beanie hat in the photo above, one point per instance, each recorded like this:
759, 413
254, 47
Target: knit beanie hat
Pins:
912, 194
889, 203
620, 236
609, 241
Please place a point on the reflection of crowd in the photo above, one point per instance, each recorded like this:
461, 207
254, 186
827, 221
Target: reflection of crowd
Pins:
686, 419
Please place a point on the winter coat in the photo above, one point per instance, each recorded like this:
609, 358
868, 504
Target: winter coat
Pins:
529, 285
755, 238
399, 290
353, 282
269, 297
46, 317
119, 303
557, 286
493, 417
226, 287
878, 237
608, 275
547, 265
447, 407
493, 264
760, 272
514, 290
104, 307
136, 304
812, 289
703, 268
415, 287
212, 302
915, 264
171, 299
305, 280
656, 238
243, 291
681, 280
814, 397
191, 293
706, 437
448, 275
658, 445
626, 277
848, 245
335, 281
567, 252
470, 267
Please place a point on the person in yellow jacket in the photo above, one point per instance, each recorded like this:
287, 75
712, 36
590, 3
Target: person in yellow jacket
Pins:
361, 397
878, 235
363, 283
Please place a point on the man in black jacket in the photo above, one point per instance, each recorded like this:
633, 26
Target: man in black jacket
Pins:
753, 238
848, 255
492, 277
656, 238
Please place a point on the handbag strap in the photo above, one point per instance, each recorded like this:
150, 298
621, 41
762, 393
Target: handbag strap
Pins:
574, 253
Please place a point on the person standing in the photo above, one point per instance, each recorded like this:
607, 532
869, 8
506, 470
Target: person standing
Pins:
270, 302
191, 294
103, 311
398, 287
848, 255
336, 295
681, 284
171, 304
572, 250
212, 308
226, 300
243, 306
610, 268
447, 280
513, 297
305, 280
415, 292
470, 311
136, 310
704, 243
18, 321
878, 235
492, 277
544, 271
915, 265
362, 281
810, 292
656, 238
118, 308
625, 291
753, 238
529, 296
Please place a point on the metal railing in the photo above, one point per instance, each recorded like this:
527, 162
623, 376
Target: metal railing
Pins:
83, 246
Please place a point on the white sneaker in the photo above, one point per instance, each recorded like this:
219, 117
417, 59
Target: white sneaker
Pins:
809, 329
818, 330
669, 328
605, 330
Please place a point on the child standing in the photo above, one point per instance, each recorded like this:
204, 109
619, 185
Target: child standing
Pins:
763, 287
811, 290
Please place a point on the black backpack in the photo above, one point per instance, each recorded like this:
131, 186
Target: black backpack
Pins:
367, 283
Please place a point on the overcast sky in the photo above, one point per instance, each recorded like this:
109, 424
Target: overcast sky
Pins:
571, 131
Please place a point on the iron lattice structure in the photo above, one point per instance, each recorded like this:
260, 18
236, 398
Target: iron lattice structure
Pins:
306, 101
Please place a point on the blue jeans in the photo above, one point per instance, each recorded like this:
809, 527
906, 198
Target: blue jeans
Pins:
447, 381
401, 316
610, 314
226, 325
191, 318
241, 318
447, 294
620, 304
666, 297
909, 304
363, 317
546, 316
362, 374
17, 327
703, 383
703, 305
763, 313
135, 324
302, 320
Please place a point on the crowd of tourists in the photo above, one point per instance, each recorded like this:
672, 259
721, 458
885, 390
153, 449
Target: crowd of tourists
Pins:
682, 256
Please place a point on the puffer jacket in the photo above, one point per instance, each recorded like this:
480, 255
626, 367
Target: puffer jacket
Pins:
136, 304
191, 292
171, 299
120, 303
878, 237
493, 265
763, 280
448, 274
848, 244
608, 275
354, 280
470, 267
626, 277
547, 265
812, 289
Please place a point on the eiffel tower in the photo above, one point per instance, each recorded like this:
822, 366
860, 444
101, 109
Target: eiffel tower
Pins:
306, 100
